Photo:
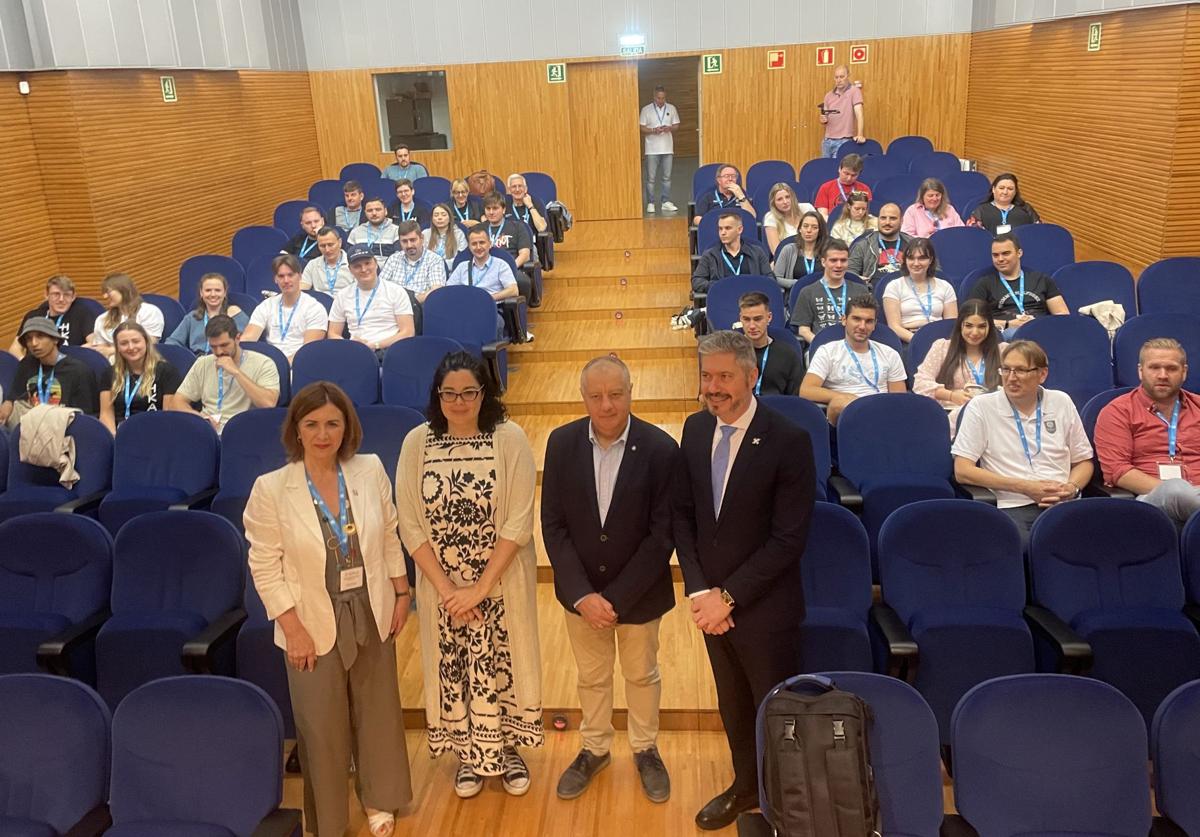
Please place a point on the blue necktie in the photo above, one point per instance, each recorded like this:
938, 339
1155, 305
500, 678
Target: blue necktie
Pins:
720, 464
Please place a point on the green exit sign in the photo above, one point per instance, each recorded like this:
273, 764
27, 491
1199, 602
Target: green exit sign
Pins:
556, 73
633, 51
1094, 37
711, 63
169, 93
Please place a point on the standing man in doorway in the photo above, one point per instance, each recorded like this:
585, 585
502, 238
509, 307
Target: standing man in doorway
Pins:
841, 113
658, 122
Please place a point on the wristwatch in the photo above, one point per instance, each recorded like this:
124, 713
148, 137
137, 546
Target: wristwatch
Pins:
726, 599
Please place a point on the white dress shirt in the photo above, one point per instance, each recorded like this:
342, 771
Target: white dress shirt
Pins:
607, 463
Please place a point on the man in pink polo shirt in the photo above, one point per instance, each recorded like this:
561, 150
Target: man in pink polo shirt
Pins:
841, 113
1148, 441
834, 193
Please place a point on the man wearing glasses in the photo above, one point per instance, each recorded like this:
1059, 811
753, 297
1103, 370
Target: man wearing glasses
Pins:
1025, 443
727, 195
71, 319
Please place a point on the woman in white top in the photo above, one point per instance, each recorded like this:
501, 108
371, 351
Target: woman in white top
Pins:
124, 302
916, 297
443, 236
856, 218
965, 364
782, 218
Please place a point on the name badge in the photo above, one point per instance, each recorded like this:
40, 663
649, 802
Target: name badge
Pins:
351, 579
1170, 471
1001, 229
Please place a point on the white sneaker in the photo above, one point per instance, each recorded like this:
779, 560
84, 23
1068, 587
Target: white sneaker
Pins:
529, 337
467, 783
516, 775
667, 206
649, 209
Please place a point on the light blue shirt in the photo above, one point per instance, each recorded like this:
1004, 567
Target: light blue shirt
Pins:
493, 278
607, 463
414, 170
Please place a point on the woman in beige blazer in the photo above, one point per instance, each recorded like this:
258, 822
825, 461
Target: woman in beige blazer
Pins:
464, 489
329, 569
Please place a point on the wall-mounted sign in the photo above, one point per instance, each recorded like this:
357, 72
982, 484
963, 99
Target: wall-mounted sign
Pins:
775, 59
824, 56
556, 73
1094, 37
169, 93
858, 54
711, 64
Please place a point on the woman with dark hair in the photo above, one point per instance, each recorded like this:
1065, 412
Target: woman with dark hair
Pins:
1005, 209
328, 566
464, 489
140, 380
932, 211
802, 257
966, 364
124, 303
443, 236
212, 298
917, 297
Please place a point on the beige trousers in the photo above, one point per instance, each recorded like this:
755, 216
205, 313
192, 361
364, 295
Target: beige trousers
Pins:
595, 653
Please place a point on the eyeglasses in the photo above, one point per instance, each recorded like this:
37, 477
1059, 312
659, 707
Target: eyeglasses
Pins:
468, 396
1019, 371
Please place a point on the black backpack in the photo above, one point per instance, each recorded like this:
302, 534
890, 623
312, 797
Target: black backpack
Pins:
815, 777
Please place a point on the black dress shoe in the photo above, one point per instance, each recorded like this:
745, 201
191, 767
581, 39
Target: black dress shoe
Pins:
723, 809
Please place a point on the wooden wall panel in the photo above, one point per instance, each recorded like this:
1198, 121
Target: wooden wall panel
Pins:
1181, 230
1077, 126
281, 137
680, 77
605, 141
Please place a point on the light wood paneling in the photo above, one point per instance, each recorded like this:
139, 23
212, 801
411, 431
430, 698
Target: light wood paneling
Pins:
604, 139
1076, 125
679, 76
1181, 230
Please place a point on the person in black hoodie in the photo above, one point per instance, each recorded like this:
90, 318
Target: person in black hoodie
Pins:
303, 245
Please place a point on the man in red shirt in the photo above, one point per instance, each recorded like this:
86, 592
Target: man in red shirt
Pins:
1148, 441
834, 193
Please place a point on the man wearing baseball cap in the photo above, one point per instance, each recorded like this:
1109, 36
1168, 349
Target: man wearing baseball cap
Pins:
378, 313
47, 376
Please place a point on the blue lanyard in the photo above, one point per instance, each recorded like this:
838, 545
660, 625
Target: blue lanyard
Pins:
203, 326
737, 271
1003, 213
762, 370
58, 322
307, 246
1021, 430
874, 362
409, 273
892, 255
353, 220
976, 372
341, 524
840, 311
44, 391
463, 214
471, 264
937, 221
517, 213
284, 329
810, 265
330, 278
441, 245
495, 236
1172, 428
1018, 299
405, 216
662, 114
927, 305
130, 392
362, 312
371, 240
721, 202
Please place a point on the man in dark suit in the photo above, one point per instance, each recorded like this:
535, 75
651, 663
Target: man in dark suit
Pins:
606, 523
743, 501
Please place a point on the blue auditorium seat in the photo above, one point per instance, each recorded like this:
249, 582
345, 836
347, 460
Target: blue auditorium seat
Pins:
863, 149
245, 301
95, 361
961, 250
326, 194
705, 178
836, 567
768, 173
910, 146
260, 277
900, 189
541, 186
351, 365
939, 164
967, 189
1128, 343
432, 190
1084, 283
1088, 415
1170, 285
880, 167
287, 215
408, 368
360, 172
968, 282
809, 416
251, 242
1078, 349
812, 174
1174, 735
882, 333
468, 315
320, 296
35, 489
250, 447
723, 295
180, 357
918, 347
384, 428
1045, 247
171, 310
282, 367
259, 660
379, 188
54, 757
198, 756
1190, 555
1049, 755
195, 267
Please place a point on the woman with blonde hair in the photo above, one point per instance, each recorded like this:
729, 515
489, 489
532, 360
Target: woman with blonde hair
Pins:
465, 208
140, 380
782, 218
855, 219
931, 211
124, 303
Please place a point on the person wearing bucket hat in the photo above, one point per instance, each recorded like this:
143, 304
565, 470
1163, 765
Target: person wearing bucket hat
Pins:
46, 376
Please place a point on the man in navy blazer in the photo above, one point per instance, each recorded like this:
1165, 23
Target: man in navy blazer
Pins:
606, 524
743, 502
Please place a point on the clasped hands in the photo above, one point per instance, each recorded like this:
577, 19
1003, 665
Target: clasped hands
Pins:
711, 614
1047, 493
462, 603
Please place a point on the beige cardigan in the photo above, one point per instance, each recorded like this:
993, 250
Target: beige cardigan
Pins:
516, 478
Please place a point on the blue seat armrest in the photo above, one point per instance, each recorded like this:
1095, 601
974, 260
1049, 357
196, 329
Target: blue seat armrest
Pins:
846, 493
1074, 652
93, 823
954, 825
545, 248
1165, 827
1192, 611
198, 652
976, 492
53, 653
903, 653
553, 212
201, 500
491, 356
84, 504
281, 822
510, 311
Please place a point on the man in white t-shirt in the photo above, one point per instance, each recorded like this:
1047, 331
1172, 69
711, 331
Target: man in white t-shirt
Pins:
290, 318
1027, 444
330, 273
658, 122
843, 370
379, 313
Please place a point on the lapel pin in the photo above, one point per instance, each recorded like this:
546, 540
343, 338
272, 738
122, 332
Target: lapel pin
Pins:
634, 447
755, 440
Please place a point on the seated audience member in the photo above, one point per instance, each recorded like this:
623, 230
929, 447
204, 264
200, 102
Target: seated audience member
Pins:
843, 370
228, 380
917, 297
855, 218
485, 271
140, 380
47, 376
506, 232
875, 257
289, 319
1148, 441
782, 218
404, 168
378, 234
1013, 295
834, 193
406, 207
350, 214
443, 236
1006, 208
412, 267
70, 316
932, 211
734, 255
467, 209
330, 273
379, 313
1025, 443
303, 245
823, 303
802, 257
212, 298
524, 206
124, 303
780, 369
963, 365
727, 195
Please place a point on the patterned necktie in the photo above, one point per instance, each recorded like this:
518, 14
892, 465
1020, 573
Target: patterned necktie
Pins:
720, 464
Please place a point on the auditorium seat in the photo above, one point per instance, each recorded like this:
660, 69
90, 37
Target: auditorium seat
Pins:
244, 301
882, 333
723, 295
1045, 247
515, 311
1170, 285
287, 215
195, 267
54, 757
863, 149
1088, 415
953, 586
259, 660
1128, 343
1105, 574
351, 365
967, 190
1174, 734
881, 167
384, 428
94, 360
468, 315
260, 277
177, 580
178, 356
1048, 755
55, 581
198, 756
379, 188
836, 567
432, 190
251, 242
171, 310
541, 186
320, 296
360, 172
809, 416
408, 369
32, 488
919, 346
938, 164
705, 179
250, 447
961, 250
1085, 283
812, 174
1078, 349
326, 194
907, 147
968, 282
282, 368
767, 173
900, 189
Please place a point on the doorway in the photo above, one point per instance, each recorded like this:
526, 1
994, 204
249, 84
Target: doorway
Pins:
680, 76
